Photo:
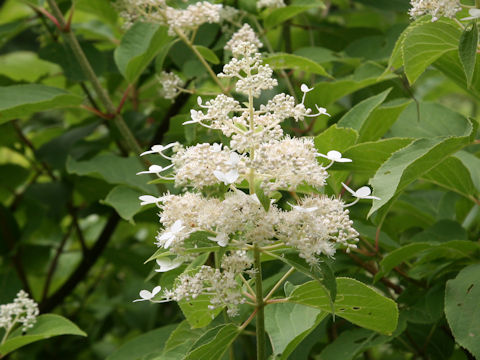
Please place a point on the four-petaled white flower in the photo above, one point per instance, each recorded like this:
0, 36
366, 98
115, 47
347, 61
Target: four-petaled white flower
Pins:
227, 178
167, 264
149, 199
157, 149
334, 156
168, 236
155, 169
474, 14
362, 193
221, 239
147, 295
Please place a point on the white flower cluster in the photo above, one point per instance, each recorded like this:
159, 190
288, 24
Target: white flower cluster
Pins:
259, 154
272, 4
22, 310
176, 19
171, 84
435, 8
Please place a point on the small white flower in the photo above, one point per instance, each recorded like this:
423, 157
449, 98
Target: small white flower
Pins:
335, 156
155, 169
157, 149
167, 264
362, 193
227, 178
221, 239
216, 148
147, 295
305, 88
322, 110
474, 14
234, 159
169, 235
149, 199
302, 209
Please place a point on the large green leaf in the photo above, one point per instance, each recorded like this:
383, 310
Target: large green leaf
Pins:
150, 343
47, 326
214, 343
197, 311
25, 66
113, 169
415, 160
288, 324
425, 43
139, 46
280, 15
467, 50
462, 308
280, 61
356, 116
355, 302
124, 200
19, 101
180, 342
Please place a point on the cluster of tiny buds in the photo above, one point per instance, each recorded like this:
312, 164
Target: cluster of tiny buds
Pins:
22, 310
435, 8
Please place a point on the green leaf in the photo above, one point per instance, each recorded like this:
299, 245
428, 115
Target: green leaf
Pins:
365, 75
462, 308
213, 347
355, 118
19, 101
47, 326
113, 169
381, 119
335, 138
467, 50
197, 312
125, 201
280, 15
472, 164
425, 43
288, 324
350, 343
208, 54
355, 302
139, 46
25, 66
369, 156
180, 342
412, 162
150, 343
279, 61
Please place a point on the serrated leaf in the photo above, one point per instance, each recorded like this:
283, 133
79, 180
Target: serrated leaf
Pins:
197, 311
280, 15
279, 61
216, 346
288, 324
18, 101
47, 326
146, 344
355, 118
462, 308
412, 162
425, 43
355, 302
467, 50
125, 201
138, 47
208, 54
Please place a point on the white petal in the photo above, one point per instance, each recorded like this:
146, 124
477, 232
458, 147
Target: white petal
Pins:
371, 197
216, 148
139, 300
322, 110
349, 190
148, 199
155, 169
148, 152
156, 290
305, 88
199, 101
363, 192
232, 176
145, 294
322, 155
234, 159
177, 226
219, 175
344, 160
334, 155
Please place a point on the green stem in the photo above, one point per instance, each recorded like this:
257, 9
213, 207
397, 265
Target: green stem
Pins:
279, 283
72, 41
260, 318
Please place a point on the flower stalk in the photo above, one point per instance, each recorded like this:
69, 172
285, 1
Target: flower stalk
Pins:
260, 319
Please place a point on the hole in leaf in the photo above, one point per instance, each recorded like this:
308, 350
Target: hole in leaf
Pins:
459, 304
469, 288
341, 309
355, 308
387, 173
